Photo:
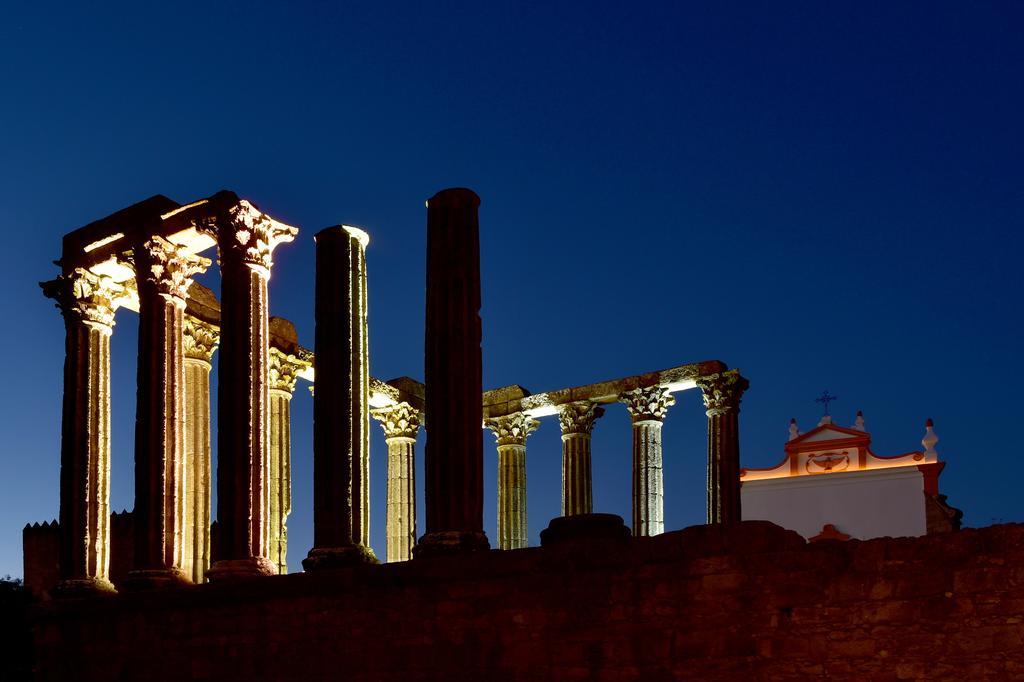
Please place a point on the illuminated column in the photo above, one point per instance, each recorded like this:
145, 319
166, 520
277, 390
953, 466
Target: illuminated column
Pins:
341, 419
199, 341
162, 273
577, 422
511, 432
647, 408
722, 395
454, 464
246, 240
401, 423
284, 372
87, 302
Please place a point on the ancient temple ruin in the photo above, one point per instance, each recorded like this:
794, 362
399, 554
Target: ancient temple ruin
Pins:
144, 258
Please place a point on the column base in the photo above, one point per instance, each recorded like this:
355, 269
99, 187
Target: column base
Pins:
585, 527
327, 558
77, 588
233, 569
155, 579
448, 542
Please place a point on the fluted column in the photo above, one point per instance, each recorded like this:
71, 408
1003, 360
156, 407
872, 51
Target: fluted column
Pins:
162, 272
87, 302
511, 432
454, 412
284, 372
401, 423
647, 408
199, 343
722, 395
245, 240
577, 422
341, 436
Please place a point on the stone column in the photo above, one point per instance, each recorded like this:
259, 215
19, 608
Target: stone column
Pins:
722, 395
647, 408
341, 418
162, 274
454, 410
577, 422
284, 372
511, 432
246, 240
401, 423
199, 343
87, 302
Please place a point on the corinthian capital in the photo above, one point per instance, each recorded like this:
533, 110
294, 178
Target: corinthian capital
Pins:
168, 267
512, 429
86, 297
647, 404
250, 235
283, 370
199, 338
578, 417
398, 421
722, 391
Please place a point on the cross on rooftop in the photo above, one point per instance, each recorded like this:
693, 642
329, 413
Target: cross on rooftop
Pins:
825, 399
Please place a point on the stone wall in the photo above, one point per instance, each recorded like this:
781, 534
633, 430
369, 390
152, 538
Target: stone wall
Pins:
708, 602
41, 553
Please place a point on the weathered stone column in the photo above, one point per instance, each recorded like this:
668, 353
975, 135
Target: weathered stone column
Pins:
401, 423
722, 395
577, 422
246, 240
284, 372
454, 410
341, 417
511, 432
162, 274
647, 408
87, 302
199, 343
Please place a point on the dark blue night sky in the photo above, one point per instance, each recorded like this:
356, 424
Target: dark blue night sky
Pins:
825, 195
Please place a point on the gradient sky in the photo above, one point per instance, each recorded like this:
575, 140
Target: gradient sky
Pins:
825, 195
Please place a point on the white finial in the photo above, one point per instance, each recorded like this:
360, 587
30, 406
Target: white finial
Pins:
929, 441
858, 423
825, 419
793, 430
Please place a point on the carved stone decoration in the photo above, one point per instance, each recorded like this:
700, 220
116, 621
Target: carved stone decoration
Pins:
250, 235
284, 370
512, 429
199, 339
722, 394
578, 418
398, 421
401, 424
87, 297
648, 403
722, 391
88, 303
168, 267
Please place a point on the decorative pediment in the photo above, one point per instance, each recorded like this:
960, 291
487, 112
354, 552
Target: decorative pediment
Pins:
827, 434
